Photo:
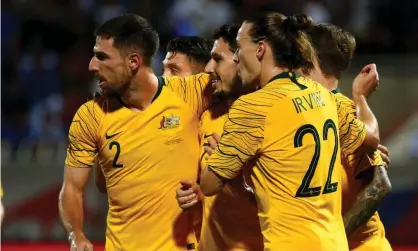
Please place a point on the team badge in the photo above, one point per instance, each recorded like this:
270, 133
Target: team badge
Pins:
169, 122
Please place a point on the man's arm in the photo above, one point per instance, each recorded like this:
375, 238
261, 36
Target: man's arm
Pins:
368, 199
196, 90
71, 199
81, 154
363, 86
365, 114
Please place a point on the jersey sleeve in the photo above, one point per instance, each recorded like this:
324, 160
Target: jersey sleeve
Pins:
376, 159
365, 161
241, 139
352, 130
195, 90
83, 136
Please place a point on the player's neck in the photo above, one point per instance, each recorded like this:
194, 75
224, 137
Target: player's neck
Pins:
332, 84
142, 91
329, 83
269, 73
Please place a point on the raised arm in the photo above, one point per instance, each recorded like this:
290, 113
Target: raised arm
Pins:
363, 86
195, 90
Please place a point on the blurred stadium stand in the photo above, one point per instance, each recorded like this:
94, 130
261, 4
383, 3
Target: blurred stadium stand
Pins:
46, 48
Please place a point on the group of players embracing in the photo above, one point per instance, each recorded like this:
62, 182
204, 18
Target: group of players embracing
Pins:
243, 144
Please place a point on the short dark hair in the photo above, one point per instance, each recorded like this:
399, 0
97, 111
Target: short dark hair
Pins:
131, 32
286, 35
334, 48
229, 34
196, 48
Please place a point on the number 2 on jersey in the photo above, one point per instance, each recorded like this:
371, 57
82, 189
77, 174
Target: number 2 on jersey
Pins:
305, 190
115, 159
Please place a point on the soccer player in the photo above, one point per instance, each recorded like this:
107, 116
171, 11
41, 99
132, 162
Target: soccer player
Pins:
289, 129
186, 56
363, 188
230, 219
143, 130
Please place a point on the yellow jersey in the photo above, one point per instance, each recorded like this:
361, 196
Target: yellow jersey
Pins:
143, 156
230, 221
290, 129
370, 236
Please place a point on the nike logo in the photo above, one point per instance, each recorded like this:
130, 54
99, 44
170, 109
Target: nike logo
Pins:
111, 136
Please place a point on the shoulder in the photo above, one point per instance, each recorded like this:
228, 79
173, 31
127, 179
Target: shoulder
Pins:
269, 96
92, 106
253, 105
99, 106
341, 97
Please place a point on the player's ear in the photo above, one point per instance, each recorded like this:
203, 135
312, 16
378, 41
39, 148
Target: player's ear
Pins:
261, 50
134, 61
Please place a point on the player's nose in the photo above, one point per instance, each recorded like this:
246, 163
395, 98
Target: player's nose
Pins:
93, 66
209, 68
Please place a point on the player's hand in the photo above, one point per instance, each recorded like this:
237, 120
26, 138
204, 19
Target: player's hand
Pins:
366, 81
80, 243
189, 194
213, 143
384, 153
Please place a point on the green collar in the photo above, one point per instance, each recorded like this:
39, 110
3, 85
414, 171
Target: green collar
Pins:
283, 75
336, 91
161, 83
290, 75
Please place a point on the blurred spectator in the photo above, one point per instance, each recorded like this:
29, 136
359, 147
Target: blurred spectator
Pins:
107, 10
317, 11
192, 17
39, 76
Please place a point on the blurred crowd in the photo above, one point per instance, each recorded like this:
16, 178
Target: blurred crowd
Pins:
46, 46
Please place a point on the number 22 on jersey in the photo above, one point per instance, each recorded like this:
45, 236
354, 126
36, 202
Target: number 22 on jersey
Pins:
305, 190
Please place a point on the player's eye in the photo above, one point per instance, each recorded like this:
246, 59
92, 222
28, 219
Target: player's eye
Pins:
174, 69
101, 56
217, 59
